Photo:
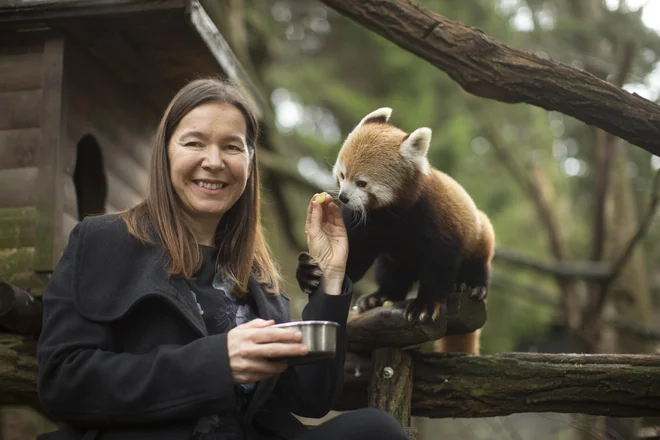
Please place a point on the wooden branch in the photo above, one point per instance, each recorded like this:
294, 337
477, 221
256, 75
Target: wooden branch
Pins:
489, 69
18, 371
19, 311
564, 269
458, 385
387, 327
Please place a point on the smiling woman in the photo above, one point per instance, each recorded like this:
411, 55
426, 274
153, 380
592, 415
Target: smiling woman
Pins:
158, 321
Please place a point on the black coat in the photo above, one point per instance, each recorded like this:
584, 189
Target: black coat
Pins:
124, 352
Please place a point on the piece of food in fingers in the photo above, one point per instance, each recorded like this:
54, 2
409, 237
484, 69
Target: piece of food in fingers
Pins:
320, 199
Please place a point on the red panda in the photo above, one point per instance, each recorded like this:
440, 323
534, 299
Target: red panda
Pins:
412, 221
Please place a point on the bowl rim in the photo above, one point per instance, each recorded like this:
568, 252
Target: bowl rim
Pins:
306, 323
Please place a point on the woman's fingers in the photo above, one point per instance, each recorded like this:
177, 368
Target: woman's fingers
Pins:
278, 350
269, 335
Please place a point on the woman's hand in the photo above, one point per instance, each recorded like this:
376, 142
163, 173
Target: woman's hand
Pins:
327, 241
252, 346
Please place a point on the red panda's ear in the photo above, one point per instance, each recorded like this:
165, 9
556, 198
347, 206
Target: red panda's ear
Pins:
415, 146
382, 115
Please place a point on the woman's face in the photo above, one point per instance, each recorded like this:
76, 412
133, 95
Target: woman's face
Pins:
209, 160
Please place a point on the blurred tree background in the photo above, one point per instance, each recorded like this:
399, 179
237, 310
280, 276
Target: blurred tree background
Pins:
561, 195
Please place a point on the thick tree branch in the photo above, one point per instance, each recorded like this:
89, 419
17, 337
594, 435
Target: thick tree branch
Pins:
489, 69
457, 385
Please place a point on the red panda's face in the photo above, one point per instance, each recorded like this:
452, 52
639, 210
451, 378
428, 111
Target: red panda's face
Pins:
378, 163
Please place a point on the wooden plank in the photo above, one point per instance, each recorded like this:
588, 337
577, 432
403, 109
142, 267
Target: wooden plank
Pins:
18, 186
18, 147
21, 10
121, 195
223, 54
18, 227
124, 166
20, 72
125, 122
21, 109
49, 185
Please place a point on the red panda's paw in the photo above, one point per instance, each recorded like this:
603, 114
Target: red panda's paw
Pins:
308, 273
478, 293
419, 311
371, 301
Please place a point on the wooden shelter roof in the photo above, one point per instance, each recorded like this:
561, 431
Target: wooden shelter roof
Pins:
153, 46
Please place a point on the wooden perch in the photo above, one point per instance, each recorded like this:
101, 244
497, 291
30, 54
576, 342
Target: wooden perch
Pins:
19, 311
459, 385
18, 371
489, 69
387, 327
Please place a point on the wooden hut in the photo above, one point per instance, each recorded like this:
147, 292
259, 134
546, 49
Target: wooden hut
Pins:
82, 85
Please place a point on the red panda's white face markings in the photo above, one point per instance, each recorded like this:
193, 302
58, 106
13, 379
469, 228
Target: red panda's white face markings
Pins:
378, 161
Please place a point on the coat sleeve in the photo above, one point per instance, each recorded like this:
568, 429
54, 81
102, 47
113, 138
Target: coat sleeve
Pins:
312, 390
84, 383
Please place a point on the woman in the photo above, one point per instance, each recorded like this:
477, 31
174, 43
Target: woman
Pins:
158, 320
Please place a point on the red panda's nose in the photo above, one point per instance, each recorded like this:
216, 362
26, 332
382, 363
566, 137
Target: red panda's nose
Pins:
343, 198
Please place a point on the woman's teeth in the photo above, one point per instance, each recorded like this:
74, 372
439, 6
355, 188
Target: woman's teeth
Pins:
209, 185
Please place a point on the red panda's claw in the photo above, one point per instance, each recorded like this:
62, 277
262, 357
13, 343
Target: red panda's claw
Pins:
479, 293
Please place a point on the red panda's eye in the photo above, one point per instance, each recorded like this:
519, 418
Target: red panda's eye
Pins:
341, 175
361, 183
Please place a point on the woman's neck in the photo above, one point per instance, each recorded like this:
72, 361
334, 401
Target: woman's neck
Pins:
203, 230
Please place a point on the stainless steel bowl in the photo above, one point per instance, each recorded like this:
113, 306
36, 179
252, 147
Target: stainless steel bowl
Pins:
319, 336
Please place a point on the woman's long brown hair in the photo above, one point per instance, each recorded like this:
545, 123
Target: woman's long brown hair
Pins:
239, 238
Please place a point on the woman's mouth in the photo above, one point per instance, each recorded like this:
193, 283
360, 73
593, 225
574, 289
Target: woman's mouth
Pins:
210, 185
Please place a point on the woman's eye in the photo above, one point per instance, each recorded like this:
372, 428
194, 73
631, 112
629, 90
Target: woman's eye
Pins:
193, 144
361, 183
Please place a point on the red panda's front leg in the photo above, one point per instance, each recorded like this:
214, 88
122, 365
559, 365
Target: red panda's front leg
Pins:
393, 279
436, 281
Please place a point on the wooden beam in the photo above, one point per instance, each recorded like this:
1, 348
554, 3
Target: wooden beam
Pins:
18, 187
223, 54
20, 109
459, 385
18, 147
387, 327
489, 69
49, 184
26, 10
18, 371
20, 71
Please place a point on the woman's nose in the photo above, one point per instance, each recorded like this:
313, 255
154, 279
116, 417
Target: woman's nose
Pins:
213, 159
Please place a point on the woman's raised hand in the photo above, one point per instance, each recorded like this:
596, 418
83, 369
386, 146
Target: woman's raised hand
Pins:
253, 345
327, 241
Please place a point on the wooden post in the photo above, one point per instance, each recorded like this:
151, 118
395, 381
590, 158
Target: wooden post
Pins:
390, 388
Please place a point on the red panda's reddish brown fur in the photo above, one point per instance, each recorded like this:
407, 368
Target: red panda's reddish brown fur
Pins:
414, 222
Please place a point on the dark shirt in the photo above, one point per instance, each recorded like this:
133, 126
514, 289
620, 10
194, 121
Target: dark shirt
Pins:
221, 312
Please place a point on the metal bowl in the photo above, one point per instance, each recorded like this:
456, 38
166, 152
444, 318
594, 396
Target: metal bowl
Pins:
319, 336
